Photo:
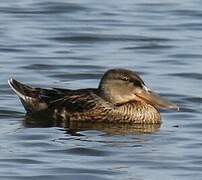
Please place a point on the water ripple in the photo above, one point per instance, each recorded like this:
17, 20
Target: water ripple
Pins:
196, 76
44, 8
53, 177
91, 38
83, 152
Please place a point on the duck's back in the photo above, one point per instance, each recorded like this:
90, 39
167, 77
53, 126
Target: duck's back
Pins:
77, 105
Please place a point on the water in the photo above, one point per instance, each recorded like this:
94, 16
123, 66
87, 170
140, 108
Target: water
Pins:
70, 44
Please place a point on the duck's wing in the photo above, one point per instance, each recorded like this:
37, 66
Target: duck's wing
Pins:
82, 105
78, 100
38, 99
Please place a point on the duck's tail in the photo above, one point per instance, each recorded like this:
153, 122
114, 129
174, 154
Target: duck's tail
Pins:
30, 97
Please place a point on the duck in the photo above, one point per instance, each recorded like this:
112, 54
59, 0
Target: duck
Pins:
121, 97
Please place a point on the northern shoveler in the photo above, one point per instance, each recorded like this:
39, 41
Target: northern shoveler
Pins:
121, 97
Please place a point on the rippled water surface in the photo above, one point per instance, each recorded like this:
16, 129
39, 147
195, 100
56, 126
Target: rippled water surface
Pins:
70, 44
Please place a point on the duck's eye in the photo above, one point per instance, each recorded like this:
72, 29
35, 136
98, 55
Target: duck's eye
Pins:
137, 83
125, 79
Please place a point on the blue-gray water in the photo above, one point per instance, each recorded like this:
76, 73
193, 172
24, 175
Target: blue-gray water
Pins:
70, 44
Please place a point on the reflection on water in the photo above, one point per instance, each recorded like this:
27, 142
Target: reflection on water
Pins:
70, 44
73, 127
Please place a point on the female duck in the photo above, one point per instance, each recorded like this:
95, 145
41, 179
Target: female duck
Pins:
122, 97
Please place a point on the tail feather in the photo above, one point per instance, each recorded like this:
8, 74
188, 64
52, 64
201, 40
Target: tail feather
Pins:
30, 97
23, 91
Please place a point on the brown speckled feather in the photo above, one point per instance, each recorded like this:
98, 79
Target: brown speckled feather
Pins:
82, 105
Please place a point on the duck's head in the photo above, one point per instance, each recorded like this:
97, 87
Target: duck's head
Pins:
120, 86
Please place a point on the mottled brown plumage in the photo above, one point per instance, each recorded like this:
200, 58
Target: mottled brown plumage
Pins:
121, 97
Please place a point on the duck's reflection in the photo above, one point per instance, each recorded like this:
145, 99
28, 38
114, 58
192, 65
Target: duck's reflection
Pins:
74, 127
